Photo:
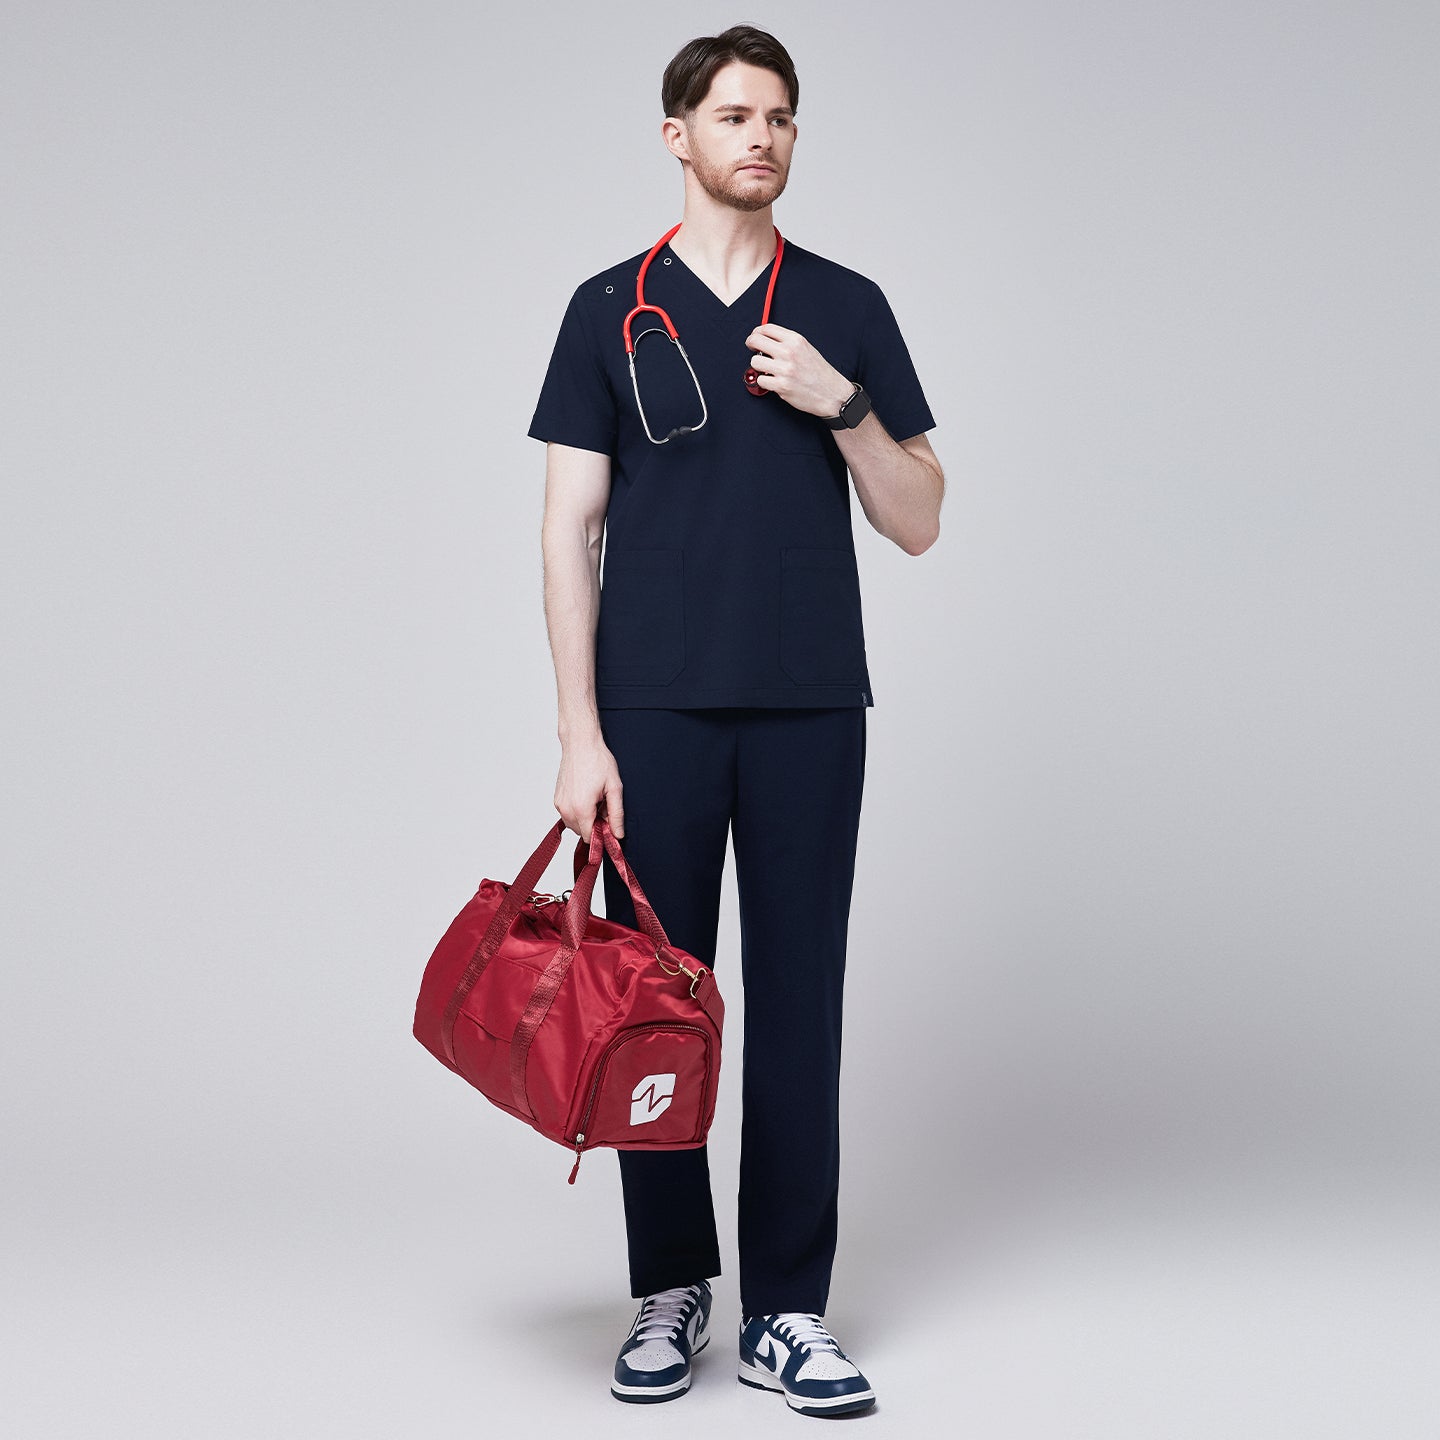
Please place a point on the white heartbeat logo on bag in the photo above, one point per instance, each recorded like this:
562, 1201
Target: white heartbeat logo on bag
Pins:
651, 1098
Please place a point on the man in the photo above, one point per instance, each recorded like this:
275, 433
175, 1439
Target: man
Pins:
717, 685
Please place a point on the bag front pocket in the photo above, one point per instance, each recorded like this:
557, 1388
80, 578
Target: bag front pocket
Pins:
651, 1087
640, 636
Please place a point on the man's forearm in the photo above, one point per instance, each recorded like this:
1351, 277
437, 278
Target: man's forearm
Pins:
572, 609
898, 491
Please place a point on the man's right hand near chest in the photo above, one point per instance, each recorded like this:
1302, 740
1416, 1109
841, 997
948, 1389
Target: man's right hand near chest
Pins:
589, 780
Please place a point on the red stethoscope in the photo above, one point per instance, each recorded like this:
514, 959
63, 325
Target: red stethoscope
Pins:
752, 376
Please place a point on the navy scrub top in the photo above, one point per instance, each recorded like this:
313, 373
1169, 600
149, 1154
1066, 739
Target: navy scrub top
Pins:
729, 574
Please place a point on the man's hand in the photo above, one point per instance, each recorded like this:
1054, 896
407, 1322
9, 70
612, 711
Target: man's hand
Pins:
796, 371
589, 779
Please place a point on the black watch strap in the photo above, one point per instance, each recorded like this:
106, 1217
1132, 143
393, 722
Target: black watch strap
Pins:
852, 412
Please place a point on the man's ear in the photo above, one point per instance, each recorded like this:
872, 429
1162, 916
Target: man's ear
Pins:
672, 132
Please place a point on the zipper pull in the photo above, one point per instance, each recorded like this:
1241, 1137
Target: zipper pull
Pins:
575, 1170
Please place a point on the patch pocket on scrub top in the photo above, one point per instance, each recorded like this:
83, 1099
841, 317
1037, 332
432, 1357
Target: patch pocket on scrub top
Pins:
821, 638
640, 636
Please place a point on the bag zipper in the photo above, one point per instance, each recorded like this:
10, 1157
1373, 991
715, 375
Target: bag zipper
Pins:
604, 1060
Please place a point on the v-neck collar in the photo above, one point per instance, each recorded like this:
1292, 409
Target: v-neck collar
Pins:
737, 305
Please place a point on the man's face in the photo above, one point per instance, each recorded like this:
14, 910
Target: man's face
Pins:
740, 137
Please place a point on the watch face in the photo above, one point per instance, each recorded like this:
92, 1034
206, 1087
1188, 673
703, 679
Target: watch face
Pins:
856, 408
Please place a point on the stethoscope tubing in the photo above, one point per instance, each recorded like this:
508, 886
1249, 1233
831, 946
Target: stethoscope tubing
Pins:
641, 308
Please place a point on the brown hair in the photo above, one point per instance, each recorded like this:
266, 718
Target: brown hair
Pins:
687, 77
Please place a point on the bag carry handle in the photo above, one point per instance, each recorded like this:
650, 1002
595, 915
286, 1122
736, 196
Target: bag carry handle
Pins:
516, 895
702, 981
576, 911
577, 908
573, 924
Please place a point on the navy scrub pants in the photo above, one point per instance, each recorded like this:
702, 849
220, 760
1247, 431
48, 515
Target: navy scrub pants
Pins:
788, 783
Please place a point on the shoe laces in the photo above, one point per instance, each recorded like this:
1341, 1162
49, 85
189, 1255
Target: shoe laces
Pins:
805, 1330
663, 1314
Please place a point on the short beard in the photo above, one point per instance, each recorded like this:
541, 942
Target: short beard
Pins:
723, 186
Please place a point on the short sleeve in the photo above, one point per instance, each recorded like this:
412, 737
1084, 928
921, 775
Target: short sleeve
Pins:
888, 373
577, 405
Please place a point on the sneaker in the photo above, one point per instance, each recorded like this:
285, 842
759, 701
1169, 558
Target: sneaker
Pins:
796, 1355
670, 1328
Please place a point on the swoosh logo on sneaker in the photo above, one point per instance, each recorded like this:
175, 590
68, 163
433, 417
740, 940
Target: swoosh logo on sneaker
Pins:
770, 1352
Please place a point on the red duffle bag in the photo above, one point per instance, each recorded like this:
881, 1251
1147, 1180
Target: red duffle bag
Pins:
591, 1032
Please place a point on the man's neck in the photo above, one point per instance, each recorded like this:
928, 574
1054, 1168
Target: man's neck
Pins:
726, 248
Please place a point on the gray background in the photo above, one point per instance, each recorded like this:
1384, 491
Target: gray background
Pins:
1140, 1091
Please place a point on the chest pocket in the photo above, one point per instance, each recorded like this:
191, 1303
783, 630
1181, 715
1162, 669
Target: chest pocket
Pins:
788, 430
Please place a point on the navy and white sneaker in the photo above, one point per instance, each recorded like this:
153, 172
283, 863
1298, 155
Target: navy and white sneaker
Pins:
670, 1328
795, 1354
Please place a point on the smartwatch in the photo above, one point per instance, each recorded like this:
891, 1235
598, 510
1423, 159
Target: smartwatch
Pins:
852, 412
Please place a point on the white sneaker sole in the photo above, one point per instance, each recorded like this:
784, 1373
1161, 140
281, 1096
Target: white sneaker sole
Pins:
762, 1379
